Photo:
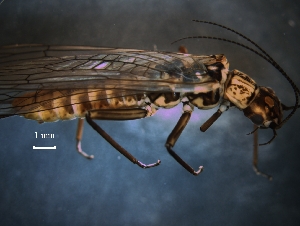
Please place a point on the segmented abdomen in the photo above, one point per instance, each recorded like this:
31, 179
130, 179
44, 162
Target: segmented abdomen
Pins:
53, 105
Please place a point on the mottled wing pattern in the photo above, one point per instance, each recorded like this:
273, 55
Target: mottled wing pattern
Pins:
42, 69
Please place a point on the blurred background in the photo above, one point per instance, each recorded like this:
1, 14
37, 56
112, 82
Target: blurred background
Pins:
60, 187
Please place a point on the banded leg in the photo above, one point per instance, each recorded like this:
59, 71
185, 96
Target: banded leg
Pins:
120, 114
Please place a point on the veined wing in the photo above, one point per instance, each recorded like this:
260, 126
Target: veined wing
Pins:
38, 68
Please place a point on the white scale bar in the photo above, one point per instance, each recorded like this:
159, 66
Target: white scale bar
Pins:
34, 147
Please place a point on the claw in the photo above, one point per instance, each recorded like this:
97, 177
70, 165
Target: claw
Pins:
80, 151
201, 168
144, 166
269, 177
183, 163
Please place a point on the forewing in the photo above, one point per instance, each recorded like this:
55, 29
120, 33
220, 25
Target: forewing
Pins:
38, 68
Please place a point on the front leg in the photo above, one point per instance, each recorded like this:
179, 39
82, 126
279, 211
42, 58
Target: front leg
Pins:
174, 135
255, 155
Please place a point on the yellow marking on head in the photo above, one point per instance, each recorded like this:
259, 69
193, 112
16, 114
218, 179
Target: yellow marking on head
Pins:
269, 101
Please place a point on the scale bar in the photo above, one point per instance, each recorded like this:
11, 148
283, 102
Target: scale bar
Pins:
34, 147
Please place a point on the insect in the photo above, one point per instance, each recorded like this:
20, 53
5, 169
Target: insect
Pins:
51, 83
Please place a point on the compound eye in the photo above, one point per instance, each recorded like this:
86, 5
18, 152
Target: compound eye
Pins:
257, 119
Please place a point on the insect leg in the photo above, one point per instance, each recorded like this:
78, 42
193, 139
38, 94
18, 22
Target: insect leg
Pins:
78, 139
223, 107
131, 114
210, 121
255, 155
174, 135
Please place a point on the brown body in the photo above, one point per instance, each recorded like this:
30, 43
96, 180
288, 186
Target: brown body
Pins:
54, 83
51, 106
51, 83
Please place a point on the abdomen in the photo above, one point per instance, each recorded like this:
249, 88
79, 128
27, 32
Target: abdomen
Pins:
54, 105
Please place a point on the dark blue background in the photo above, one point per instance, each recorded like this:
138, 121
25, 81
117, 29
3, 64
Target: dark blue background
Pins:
59, 187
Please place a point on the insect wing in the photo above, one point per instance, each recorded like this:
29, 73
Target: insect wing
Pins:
43, 69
